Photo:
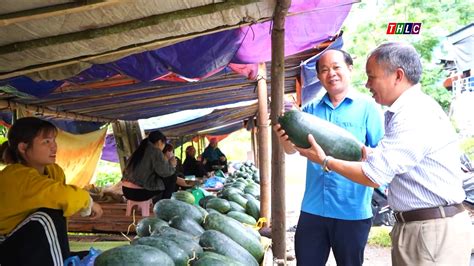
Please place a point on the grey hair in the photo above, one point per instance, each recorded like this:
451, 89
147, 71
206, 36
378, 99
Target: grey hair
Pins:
393, 55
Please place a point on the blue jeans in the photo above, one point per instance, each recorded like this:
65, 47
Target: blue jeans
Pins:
316, 235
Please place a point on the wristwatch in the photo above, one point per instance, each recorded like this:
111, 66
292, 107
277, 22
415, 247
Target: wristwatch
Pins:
325, 164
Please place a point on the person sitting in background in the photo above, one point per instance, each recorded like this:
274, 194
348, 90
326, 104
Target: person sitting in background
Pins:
191, 166
181, 183
148, 169
35, 198
213, 158
172, 184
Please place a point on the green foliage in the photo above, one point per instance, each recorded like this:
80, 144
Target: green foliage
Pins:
467, 146
431, 86
3, 134
3, 131
103, 245
107, 174
379, 236
236, 145
439, 18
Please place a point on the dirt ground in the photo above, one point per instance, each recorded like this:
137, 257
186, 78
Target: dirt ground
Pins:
373, 255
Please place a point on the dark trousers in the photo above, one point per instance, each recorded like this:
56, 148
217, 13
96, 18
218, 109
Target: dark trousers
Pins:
170, 186
141, 194
316, 235
41, 239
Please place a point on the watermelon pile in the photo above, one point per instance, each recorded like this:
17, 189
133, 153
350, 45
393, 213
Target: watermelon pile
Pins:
247, 171
211, 233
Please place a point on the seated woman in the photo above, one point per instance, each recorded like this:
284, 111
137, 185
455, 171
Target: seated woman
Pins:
191, 166
170, 183
148, 169
179, 182
213, 158
35, 198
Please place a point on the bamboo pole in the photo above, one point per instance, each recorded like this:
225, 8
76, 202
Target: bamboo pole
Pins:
123, 27
198, 148
53, 11
128, 137
181, 151
135, 135
171, 93
278, 159
44, 111
262, 140
124, 51
14, 116
254, 144
117, 128
119, 53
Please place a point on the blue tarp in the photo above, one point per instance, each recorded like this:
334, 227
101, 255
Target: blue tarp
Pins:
162, 73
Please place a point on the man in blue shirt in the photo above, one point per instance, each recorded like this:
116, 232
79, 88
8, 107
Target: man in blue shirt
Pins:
336, 212
418, 157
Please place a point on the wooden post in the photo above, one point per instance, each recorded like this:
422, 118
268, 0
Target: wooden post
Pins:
278, 158
199, 143
181, 151
262, 140
127, 136
14, 115
255, 147
253, 139
118, 133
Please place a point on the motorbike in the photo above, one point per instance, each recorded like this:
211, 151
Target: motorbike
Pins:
381, 211
383, 214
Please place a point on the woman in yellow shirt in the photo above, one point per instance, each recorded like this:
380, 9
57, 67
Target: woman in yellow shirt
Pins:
34, 197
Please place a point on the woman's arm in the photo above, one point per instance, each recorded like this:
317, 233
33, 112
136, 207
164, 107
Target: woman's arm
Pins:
42, 192
162, 166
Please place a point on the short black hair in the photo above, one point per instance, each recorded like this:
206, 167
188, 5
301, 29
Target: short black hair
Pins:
347, 57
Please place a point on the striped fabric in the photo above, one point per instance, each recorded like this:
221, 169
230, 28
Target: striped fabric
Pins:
418, 156
50, 231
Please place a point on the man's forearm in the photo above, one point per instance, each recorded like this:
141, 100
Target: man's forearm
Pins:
350, 170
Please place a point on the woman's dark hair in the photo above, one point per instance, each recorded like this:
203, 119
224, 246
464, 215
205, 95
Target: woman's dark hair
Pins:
23, 130
168, 147
137, 155
188, 151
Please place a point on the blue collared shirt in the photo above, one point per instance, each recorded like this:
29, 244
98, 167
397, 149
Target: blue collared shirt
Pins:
330, 194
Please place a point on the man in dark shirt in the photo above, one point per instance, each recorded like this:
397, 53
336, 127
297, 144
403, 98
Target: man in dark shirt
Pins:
191, 166
213, 158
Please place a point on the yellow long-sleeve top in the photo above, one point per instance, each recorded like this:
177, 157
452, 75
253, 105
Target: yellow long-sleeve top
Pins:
23, 190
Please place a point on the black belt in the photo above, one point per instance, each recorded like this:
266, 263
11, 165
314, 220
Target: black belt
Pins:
429, 213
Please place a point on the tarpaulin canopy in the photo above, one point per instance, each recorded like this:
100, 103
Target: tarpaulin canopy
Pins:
212, 122
103, 78
462, 47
